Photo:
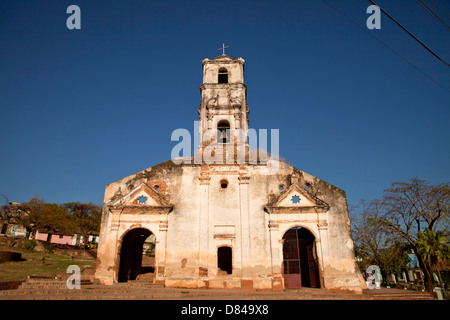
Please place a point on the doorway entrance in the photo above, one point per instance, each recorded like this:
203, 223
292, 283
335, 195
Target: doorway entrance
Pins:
225, 260
131, 255
300, 259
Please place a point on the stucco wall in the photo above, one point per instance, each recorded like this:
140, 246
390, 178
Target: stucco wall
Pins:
206, 216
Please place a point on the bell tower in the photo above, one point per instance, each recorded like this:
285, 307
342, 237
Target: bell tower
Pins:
223, 109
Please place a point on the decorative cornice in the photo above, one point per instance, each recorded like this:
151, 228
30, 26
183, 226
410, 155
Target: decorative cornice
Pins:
273, 225
322, 225
234, 85
244, 180
131, 209
163, 225
204, 180
309, 209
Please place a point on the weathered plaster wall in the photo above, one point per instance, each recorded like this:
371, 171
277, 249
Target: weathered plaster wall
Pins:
206, 216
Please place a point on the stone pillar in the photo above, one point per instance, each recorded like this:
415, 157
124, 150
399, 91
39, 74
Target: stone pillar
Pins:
106, 271
246, 258
237, 118
323, 249
203, 241
160, 257
276, 256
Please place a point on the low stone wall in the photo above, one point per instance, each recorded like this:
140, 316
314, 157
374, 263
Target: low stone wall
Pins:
10, 285
6, 256
75, 252
60, 249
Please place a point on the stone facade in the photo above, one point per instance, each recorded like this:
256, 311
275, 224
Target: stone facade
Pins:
225, 225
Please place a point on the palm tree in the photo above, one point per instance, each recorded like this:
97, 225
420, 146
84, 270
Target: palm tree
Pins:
432, 247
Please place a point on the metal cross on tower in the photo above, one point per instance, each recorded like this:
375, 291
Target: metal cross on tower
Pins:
223, 48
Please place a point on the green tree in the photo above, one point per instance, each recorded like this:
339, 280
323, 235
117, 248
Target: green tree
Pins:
36, 214
31, 214
373, 245
57, 220
404, 210
411, 207
86, 216
432, 247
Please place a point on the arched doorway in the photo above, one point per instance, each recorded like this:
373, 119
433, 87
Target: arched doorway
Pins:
300, 268
132, 259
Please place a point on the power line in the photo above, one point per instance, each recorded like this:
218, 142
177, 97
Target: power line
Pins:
388, 47
441, 9
415, 38
433, 14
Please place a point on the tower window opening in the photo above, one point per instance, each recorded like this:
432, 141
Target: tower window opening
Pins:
223, 132
223, 75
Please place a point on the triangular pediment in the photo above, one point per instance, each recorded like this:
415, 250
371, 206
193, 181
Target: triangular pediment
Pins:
295, 197
142, 195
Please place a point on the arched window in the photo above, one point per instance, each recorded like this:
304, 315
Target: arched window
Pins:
223, 75
223, 132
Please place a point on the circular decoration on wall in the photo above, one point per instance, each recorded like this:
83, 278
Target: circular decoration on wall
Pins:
223, 184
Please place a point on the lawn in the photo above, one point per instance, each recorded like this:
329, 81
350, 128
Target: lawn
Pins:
42, 264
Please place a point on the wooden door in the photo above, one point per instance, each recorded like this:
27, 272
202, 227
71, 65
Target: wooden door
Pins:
291, 260
300, 268
313, 268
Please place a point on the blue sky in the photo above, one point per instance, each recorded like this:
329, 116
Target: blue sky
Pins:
83, 108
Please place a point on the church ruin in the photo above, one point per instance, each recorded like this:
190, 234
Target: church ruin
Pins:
227, 224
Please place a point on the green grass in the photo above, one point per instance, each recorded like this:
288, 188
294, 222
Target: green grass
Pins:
34, 265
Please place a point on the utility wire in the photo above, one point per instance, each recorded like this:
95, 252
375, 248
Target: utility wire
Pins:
431, 51
433, 14
385, 45
441, 9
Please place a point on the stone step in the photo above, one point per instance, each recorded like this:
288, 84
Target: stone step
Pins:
67, 292
404, 297
93, 296
168, 296
56, 285
27, 283
108, 293
145, 276
139, 285
99, 289
52, 289
398, 294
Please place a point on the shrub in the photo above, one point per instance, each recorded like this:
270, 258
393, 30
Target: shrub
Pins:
401, 285
29, 245
48, 247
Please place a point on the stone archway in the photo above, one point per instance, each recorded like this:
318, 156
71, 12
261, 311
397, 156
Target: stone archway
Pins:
300, 266
131, 252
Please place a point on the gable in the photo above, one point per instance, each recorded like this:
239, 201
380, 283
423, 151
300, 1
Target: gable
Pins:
143, 196
296, 199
